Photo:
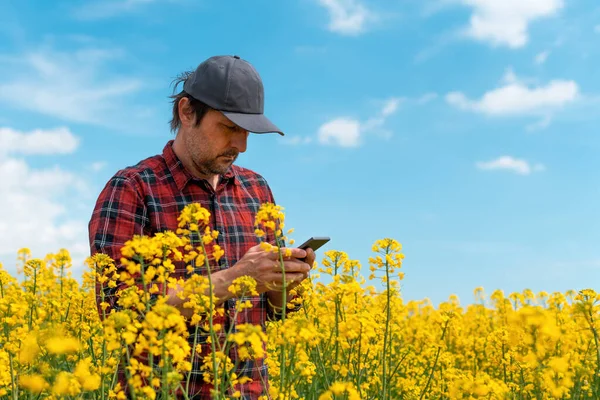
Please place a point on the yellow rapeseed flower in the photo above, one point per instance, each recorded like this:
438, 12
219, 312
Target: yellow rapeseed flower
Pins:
243, 286
350, 340
62, 345
66, 384
33, 383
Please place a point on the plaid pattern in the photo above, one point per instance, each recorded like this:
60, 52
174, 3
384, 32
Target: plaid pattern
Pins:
148, 197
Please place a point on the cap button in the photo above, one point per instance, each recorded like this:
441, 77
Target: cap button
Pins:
238, 57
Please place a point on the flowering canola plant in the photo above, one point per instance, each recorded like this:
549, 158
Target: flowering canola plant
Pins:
351, 338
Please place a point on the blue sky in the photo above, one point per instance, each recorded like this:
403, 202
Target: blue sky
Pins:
464, 129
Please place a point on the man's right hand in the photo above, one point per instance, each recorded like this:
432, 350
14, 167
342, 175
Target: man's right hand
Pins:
265, 267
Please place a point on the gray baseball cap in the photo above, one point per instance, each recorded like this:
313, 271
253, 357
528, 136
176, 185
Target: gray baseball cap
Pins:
231, 85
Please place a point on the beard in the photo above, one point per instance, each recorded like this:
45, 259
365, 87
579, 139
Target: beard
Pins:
207, 161
218, 165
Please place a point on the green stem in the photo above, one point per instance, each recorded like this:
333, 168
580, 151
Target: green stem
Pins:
165, 367
80, 320
187, 383
147, 305
437, 355
33, 300
399, 363
128, 374
103, 311
225, 349
12, 377
357, 370
362, 371
115, 373
62, 272
336, 335
318, 349
336, 330
144, 284
387, 328
595, 333
210, 313
66, 316
103, 375
283, 348
10, 360
184, 392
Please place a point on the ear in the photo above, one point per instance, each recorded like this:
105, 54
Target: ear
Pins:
186, 114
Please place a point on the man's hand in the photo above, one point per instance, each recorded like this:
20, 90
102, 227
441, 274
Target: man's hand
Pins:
310, 260
265, 267
275, 297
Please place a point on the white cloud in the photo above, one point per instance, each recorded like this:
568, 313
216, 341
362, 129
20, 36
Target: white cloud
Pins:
347, 132
390, 107
543, 123
54, 141
508, 163
517, 98
509, 77
98, 166
38, 209
72, 86
542, 57
506, 22
426, 98
108, 8
344, 132
347, 17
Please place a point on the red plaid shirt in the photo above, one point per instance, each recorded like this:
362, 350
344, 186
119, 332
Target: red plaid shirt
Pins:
148, 197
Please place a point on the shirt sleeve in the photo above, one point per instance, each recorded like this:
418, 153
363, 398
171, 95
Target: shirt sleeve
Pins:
119, 214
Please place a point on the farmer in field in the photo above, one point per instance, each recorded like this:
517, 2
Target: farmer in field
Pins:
221, 102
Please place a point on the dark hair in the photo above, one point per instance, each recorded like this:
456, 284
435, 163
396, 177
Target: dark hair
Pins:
197, 106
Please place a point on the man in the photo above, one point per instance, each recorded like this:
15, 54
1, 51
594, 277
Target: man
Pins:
221, 102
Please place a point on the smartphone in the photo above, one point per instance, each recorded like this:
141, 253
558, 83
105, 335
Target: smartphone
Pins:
314, 243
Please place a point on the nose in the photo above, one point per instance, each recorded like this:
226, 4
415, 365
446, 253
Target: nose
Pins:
239, 140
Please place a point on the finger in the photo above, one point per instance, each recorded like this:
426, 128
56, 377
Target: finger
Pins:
278, 267
274, 277
273, 286
278, 285
293, 252
268, 266
310, 257
295, 277
274, 255
288, 253
256, 249
296, 266
277, 278
289, 278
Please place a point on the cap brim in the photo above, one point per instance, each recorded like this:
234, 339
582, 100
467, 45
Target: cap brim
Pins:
256, 123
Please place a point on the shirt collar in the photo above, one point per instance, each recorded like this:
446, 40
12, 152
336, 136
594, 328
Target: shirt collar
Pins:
182, 176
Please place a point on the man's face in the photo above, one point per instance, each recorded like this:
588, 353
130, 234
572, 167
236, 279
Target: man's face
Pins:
215, 144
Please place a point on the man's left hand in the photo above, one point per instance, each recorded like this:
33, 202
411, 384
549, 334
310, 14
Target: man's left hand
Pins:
275, 295
310, 260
